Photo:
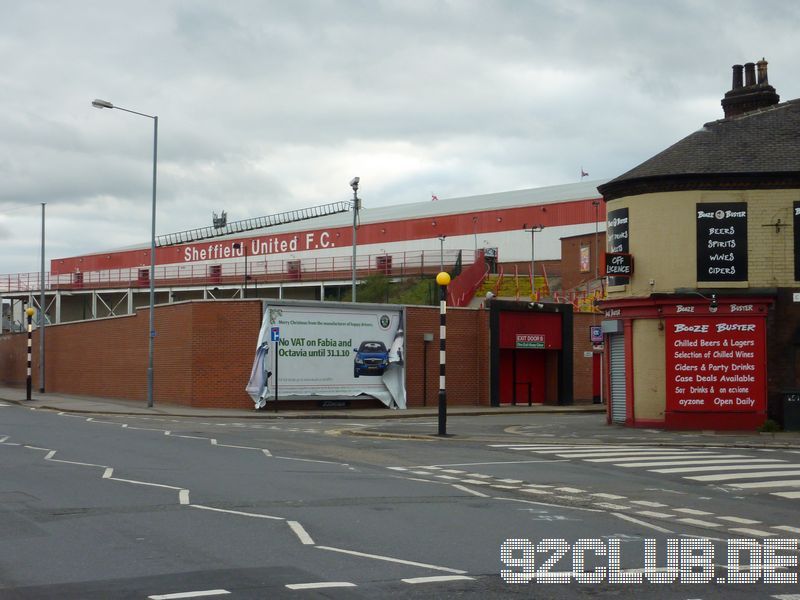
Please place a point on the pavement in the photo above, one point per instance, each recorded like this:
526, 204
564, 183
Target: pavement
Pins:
113, 406
572, 424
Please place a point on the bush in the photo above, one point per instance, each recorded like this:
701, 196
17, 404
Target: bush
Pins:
769, 426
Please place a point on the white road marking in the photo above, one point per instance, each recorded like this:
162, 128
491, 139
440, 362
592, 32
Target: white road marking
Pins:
570, 490
450, 477
642, 523
536, 491
648, 503
790, 495
324, 462
609, 496
320, 585
735, 458
474, 482
656, 457
778, 465
510, 480
237, 512
183, 496
147, 483
537, 503
108, 473
787, 528
500, 462
654, 514
698, 522
582, 452
752, 532
500, 486
267, 453
199, 594
611, 506
3, 439
394, 560
739, 520
787, 597
301, 533
437, 579
765, 484
452, 471
4, 405
692, 511
732, 476
469, 491
627, 454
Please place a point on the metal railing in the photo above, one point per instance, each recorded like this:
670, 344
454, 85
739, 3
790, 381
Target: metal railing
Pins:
266, 271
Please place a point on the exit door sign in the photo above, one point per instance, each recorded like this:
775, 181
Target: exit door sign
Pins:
530, 340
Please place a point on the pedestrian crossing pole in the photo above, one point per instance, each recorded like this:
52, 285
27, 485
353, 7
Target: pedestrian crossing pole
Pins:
29, 312
443, 279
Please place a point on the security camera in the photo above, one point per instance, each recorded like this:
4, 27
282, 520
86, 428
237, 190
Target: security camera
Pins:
354, 182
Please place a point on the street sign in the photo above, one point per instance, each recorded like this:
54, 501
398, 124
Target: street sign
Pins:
275, 334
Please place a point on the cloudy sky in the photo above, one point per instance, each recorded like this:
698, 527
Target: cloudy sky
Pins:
268, 105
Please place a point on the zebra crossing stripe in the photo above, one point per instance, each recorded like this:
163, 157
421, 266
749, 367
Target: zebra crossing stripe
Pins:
790, 495
654, 457
627, 454
594, 451
777, 465
766, 484
732, 458
732, 476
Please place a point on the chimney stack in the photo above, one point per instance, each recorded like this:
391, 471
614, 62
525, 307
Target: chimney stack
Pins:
738, 70
752, 95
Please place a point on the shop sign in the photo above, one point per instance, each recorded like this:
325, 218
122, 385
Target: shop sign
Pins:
530, 340
596, 334
617, 233
716, 364
721, 241
619, 265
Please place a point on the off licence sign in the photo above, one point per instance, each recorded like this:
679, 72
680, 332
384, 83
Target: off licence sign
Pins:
530, 340
619, 264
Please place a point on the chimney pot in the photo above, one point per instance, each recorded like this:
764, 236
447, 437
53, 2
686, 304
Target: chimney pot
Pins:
738, 70
749, 74
762, 72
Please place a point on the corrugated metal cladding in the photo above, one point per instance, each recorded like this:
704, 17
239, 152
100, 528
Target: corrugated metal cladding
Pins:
616, 345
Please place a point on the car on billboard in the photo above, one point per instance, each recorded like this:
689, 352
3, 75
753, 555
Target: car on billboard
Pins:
372, 358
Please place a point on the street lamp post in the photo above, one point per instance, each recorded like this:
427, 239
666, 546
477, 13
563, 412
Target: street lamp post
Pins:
243, 247
533, 231
42, 313
152, 332
356, 205
442, 238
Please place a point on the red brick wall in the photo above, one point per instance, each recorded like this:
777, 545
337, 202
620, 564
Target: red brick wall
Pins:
203, 352
582, 366
467, 358
571, 274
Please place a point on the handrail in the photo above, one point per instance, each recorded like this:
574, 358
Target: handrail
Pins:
516, 282
499, 282
322, 268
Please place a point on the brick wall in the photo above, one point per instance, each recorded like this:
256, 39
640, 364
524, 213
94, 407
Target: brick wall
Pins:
571, 274
582, 366
204, 350
467, 370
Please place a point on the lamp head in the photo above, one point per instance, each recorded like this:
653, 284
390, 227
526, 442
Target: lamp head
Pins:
443, 278
354, 183
102, 103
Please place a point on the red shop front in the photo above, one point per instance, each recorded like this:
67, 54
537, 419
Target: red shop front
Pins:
715, 360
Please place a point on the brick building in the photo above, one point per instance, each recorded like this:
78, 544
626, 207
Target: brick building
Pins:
701, 325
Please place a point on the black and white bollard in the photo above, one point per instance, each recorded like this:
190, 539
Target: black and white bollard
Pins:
443, 279
29, 312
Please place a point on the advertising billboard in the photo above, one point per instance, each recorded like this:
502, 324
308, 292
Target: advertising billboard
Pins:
330, 350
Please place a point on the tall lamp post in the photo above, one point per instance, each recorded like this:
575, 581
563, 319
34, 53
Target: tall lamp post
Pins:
42, 313
243, 247
534, 229
152, 332
442, 238
356, 205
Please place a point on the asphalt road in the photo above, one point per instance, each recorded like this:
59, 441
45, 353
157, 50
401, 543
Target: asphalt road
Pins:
138, 507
